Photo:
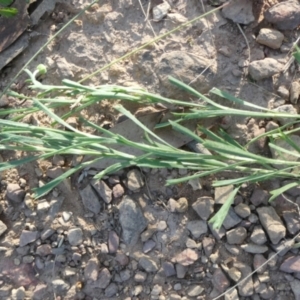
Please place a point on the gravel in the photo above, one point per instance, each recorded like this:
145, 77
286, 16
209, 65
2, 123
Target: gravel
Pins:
204, 207
264, 68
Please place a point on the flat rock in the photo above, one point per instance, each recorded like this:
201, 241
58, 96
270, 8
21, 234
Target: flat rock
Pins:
236, 235
134, 180
253, 248
231, 220
291, 219
247, 288
295, 286
132, 220
294, 92
186, 257
90, 199
204, 207
28, 237
264, 68
291, 264
160, 11
271, 223
220, 281
103, 278
258, 236
197, 228
111, 290
91, 270
113, 242
270, 37
169, 269
285, 15
14, 193
60, 286
103, 190
3, 228
242, 210
259, 197
148, 264
75, 236
239, 11
195, 290
222, 193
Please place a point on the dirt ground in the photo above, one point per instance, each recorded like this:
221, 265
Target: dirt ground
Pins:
146, 240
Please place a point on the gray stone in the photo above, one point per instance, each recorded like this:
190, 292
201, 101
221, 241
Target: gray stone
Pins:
148, 264
47, 233
239, 11
180, 271
140, 276
285, 15
259, 197
182, 205
283, 92
258, 236
270, 37
156, 291
231, 220
113, 242
220, 281
195, 290
44, 250
111, 290
246, 289
242, 210
271, 223
118, 191
197, 228
286, 109
291, 265
134, 180
14, 193
3, 228
265, 291
222, 193
253, 248
132, 220
54, 172
18, 294
294, 92
232, 295
264, 68
169, 269
234, 250
295, 286
103, 190
28, 237
204, 207
125, 275
60, 286
236, 235
91, 270
103, 279
218, 233
208, 244
90, 199
40, 292
291, 219
187, 68
187, 257
27, 259
234, 274
258, 261
148, 246
42, 206
160, 11
75, 236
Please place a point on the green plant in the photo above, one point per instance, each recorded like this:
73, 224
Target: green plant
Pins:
227, 154
6, 11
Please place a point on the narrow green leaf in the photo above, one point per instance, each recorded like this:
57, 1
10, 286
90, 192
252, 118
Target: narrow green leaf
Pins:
281, 190
8, 12
218, 219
